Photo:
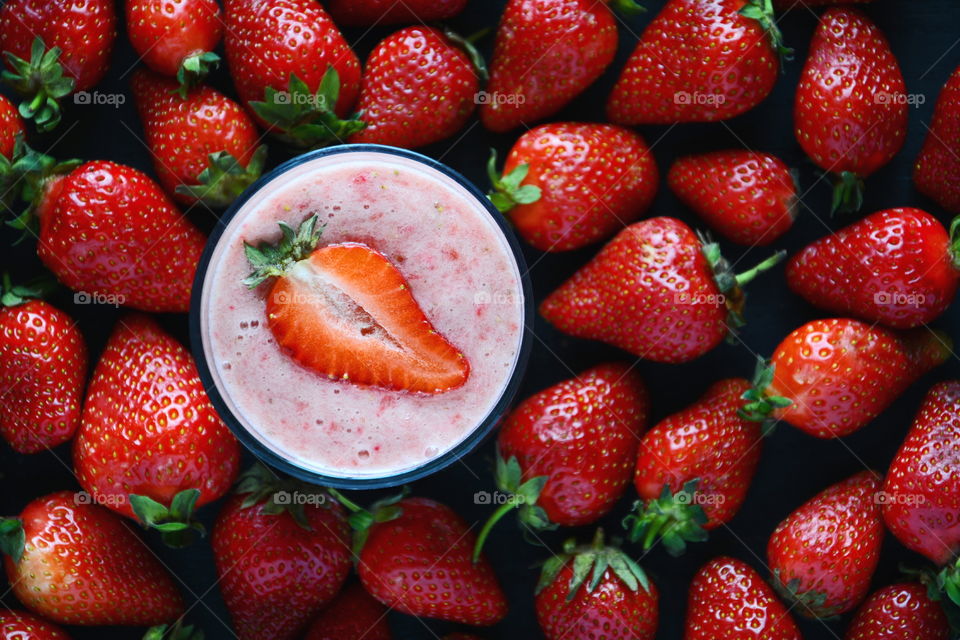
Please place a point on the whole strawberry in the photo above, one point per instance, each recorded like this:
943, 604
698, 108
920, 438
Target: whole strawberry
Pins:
567, 185
656, 291
831, 377
694, 469
899, 612
699, 61
43, 367
748, 197
176, 38
292, 67
77, 563
547, 52
566, 453
53, 48
367, 13
279, 560
11, 126
728, 600
937, 171
149, 433
850, 109
595, 591
824, 554
353, 615
20, 625
419, 86
204, 145
898, 267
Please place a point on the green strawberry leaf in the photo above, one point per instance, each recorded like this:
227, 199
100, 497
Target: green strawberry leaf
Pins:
12, 538
174, 522
40, 80
507, 190
224, 178
270, 260
194, 69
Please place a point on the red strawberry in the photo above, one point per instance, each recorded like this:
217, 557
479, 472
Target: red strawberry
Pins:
204, 145
595, 591
176, 37
385, 339
11, 126
53, 48
293, 68
898, 267
566, 453
850, 109
656, 291
77, 563
110, 232
43, 367
368, 13
831, 377
279, 565
567, 185
729, 601
20, 625
353, 615
149, 430
937, 172
415, 557
694, 469
747, 197
699, 61
824, 554
547, 52
419, 86
899, 612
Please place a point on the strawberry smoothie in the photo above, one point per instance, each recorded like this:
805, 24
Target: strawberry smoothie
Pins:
460, 269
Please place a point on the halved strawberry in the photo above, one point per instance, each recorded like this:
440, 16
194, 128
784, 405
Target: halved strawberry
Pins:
347, 312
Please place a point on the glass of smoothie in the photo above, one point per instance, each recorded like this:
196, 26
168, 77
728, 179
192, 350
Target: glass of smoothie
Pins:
360, 316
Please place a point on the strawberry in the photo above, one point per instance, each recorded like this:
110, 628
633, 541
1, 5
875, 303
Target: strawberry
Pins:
11, 126
567, 185
823, 555
368, 13
899, 612
748, 197
414, 556
419, 86
937, 171
176, 37
109, 232
694, 468
279, 561
728, 600
293, 68
353, 615
566, 453
43, 366
656, 291
204, 145
368, 329
149, 432
77, 563
547, 52
699, 61
595, 591
850, 109
898, 267
53, 48
20, 625
831, 377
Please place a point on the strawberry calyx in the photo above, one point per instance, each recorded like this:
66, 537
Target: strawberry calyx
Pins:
507, 190
760, 404
942, 587
813, 603
731, 284
178, 631
12, 538
307, 120
955, 242
40, 80
273, 260
523, 495
592, 561
224, 178
13, 295
193, 69
30, 178
673, 518
277, 495
762, 11
627, 7
847, 193
468, 46
361, 519
175, 523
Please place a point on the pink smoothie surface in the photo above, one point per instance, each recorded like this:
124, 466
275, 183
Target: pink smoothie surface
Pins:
461, 272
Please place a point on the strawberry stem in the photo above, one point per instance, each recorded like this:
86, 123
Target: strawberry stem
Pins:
674, 519
497, 515
224, 178
12, 538
175, 522
193, 69
628, 7
468, 47
361, 519
760, 405
746, 277
273, 260
507, 190
847, 193
729, 284
41, 81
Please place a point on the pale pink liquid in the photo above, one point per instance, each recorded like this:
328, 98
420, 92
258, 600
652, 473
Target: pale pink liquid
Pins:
460, 269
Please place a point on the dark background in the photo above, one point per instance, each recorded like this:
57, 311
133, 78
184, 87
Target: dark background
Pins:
924, 36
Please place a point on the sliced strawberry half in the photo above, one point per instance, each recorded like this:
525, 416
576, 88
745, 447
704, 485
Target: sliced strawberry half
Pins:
345, 311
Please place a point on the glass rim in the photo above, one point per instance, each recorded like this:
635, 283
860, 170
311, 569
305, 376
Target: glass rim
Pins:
264, 453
